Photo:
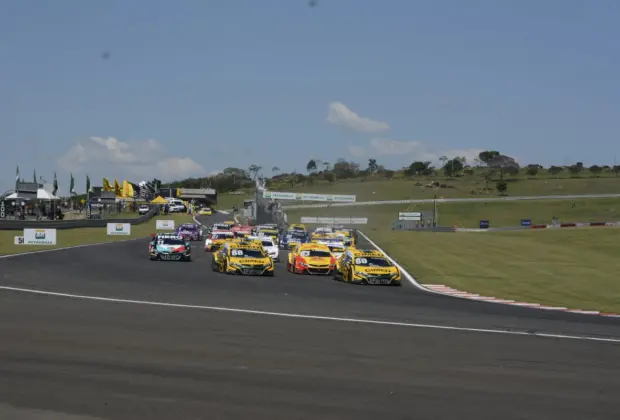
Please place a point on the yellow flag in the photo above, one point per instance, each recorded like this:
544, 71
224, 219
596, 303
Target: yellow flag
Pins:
106, 185
127, 189
178, 192
117, 189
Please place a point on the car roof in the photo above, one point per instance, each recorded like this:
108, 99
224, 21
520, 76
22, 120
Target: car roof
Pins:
313, 245
368, 253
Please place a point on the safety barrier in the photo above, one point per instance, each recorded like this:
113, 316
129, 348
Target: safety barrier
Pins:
73, 224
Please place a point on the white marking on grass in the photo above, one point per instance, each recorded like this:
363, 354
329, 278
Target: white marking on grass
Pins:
313, 317
42, 251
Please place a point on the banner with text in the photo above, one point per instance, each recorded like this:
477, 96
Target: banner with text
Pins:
334, 220
39, 236
164, 225
119, 229
410, 216
275, 195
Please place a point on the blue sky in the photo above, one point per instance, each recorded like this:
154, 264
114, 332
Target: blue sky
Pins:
193, 86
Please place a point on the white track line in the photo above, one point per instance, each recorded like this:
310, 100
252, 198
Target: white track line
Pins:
315, 317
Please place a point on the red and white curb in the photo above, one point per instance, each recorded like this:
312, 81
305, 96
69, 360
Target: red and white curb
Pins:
447, 290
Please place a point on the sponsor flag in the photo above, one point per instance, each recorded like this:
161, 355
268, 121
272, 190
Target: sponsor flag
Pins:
72, 186
88, 186
34, 177
55, 185
106, 185
117, 189
16, 177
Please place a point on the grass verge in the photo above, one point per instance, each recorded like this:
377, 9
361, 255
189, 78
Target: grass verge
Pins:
576, 268
573, 268
82, 236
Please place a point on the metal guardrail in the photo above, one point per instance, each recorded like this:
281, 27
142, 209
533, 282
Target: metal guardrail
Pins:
453, 200
73, 224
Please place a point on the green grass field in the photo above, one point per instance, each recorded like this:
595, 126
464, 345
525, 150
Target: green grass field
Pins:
72, 237
378, 188
576, 268
573, 268
503, 213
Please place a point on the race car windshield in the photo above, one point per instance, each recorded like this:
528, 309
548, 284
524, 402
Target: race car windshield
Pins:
247, 253
220, 236
267, 243
372, 262
336, 249
315, 253
170, 241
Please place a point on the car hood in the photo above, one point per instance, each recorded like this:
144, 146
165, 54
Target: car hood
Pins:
249, 261
317, 260
377, 270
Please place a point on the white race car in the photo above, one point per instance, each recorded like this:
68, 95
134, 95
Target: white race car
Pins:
271, 247
336, 246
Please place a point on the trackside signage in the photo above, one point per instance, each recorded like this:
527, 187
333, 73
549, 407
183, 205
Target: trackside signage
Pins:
164, 225
39, 236
275, 195
409, 216
119, 229
334, 220
19, 240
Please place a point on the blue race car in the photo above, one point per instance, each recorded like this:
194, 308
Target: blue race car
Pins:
189, 232
292, 238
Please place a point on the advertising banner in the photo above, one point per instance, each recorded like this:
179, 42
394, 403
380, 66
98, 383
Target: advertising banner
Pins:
334, 220
164, 225
526, 222
19, 240
39, 236
410, 216
119, 229
275, 195
2, 210
484, 224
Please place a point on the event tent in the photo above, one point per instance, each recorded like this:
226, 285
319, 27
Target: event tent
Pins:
41, 195
159, 200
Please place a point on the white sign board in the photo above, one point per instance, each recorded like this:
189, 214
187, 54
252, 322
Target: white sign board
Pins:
409, 216
19, 240
39, 236
164, 224
119, 229
309, 197
335, 220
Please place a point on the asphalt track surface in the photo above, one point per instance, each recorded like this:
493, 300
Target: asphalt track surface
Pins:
66, 358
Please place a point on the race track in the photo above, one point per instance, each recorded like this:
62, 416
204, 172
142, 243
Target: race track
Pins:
122, 337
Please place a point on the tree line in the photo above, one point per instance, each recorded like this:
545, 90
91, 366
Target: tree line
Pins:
492, 165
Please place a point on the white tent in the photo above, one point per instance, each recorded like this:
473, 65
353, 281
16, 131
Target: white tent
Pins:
41, 195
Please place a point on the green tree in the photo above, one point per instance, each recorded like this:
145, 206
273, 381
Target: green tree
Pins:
596, 170
329, 177
532, 170
372, 165
453, 167
311, 166
556, 170
502, 186
488, 155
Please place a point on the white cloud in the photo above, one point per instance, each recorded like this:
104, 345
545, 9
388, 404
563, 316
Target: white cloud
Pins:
411, 150
110, 156
339, 114
357, 151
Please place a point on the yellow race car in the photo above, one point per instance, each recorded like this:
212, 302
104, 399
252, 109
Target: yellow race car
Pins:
348, 237
217, 239
299, 227
205, 211
366, 266
311, 259
247, 241
249, 260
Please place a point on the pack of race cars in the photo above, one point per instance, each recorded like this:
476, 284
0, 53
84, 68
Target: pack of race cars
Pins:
255, 250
